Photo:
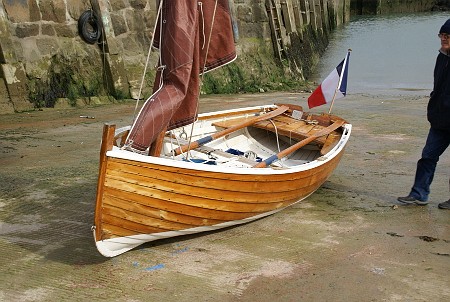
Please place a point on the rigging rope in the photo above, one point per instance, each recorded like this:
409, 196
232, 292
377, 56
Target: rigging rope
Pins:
148, 56
203, 24
206, 57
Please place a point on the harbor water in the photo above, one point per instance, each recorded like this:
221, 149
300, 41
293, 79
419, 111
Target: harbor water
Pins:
391, 54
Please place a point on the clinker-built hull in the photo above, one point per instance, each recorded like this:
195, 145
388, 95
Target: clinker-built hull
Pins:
142, 198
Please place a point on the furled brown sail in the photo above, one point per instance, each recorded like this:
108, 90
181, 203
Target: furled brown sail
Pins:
196, 37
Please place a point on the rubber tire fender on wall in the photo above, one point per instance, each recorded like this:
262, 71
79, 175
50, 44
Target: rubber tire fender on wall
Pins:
89, 27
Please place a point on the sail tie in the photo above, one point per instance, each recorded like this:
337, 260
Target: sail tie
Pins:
200, 4
161, 78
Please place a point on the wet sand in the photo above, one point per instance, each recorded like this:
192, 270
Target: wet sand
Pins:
350, 241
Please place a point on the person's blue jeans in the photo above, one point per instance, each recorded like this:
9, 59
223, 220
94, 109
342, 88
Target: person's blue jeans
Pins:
437, 143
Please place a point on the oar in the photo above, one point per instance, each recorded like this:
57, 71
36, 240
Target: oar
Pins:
224, 132
300, 144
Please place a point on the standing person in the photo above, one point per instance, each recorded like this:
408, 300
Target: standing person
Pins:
445, 204
438, 114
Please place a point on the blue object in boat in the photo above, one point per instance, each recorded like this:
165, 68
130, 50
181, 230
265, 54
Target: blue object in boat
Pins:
201, 161
240, 153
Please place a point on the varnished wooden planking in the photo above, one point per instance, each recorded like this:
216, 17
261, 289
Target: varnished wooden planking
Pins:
200, 208
113, 231
233, 201
115, 187
170, 206
266, 202
124, 170
201, 202
182, 172
132, 182
140, 224
143, 219
284, 125
138, 228
153, 212
116, 227
293, 131
289, 124
186, 201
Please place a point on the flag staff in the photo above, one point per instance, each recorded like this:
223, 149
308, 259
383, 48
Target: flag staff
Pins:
340, 79
334, 96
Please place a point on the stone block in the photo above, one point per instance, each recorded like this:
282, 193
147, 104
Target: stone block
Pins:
76, 7
47, 30
254, 30
95, 100
18, 11
135, 21
6, 107
112, 46
149, 20
259, 12
27, 51
5, 103
62, 103
53, 10
81, 102
35, 14
244, 13
119, 76
118, 23
16, 79
138, 4
100, 100
117, 5
24, 30
66, 31
130, 45
105, 99
47, 46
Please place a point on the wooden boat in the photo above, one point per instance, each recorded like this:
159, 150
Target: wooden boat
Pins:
214, 170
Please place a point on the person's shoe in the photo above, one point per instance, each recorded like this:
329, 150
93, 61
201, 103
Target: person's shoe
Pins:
444, 205
412, 200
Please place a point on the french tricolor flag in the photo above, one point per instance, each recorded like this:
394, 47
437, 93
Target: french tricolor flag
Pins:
333, 87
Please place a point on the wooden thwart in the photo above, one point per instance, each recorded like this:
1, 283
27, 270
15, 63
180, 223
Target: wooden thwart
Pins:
287, 126
227, 131
300, 144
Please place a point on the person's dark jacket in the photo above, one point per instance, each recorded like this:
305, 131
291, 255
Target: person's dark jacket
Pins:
438, 111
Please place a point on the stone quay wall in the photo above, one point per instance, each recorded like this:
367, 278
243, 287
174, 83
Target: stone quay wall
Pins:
363, 7
43, 58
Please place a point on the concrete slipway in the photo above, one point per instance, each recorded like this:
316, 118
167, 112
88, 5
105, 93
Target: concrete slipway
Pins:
350, 241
